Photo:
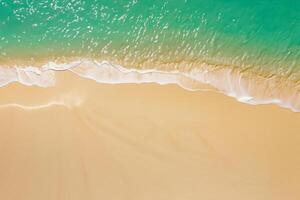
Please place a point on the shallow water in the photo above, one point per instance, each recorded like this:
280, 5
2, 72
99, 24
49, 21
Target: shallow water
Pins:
265, 33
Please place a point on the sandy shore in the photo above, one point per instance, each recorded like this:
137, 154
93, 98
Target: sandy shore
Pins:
83, 140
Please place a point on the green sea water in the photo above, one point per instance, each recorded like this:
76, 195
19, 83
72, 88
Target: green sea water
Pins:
260, 34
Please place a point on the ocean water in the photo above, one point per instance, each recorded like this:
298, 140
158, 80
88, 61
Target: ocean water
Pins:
248, 49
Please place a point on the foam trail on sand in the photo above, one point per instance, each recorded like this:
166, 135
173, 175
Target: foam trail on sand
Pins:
249, 89
68, 100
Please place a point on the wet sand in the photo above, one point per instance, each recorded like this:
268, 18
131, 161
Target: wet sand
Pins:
83, 140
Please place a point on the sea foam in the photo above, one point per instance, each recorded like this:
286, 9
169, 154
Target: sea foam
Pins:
245, 88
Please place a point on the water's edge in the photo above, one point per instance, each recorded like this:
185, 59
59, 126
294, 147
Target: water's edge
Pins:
245, 88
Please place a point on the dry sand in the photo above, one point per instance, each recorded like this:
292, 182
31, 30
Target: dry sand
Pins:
83, 140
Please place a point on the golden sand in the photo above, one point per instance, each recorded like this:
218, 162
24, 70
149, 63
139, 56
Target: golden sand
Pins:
83, 140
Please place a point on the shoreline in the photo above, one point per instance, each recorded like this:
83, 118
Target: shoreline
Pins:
246, 87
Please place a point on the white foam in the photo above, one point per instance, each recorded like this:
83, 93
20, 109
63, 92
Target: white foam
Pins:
244, 89
28, 76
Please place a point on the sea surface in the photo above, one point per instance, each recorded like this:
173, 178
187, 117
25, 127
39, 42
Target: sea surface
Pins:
247, 49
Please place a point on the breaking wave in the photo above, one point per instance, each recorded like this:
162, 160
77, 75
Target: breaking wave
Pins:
245, 87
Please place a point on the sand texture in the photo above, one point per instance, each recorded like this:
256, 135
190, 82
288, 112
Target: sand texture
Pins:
83, 140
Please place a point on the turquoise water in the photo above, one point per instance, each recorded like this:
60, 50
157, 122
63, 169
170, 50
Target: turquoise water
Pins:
260, 33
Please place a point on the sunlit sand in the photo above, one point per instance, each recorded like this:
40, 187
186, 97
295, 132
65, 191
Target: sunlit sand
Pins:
85, 140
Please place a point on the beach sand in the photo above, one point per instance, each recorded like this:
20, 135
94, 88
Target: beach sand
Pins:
84, 140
